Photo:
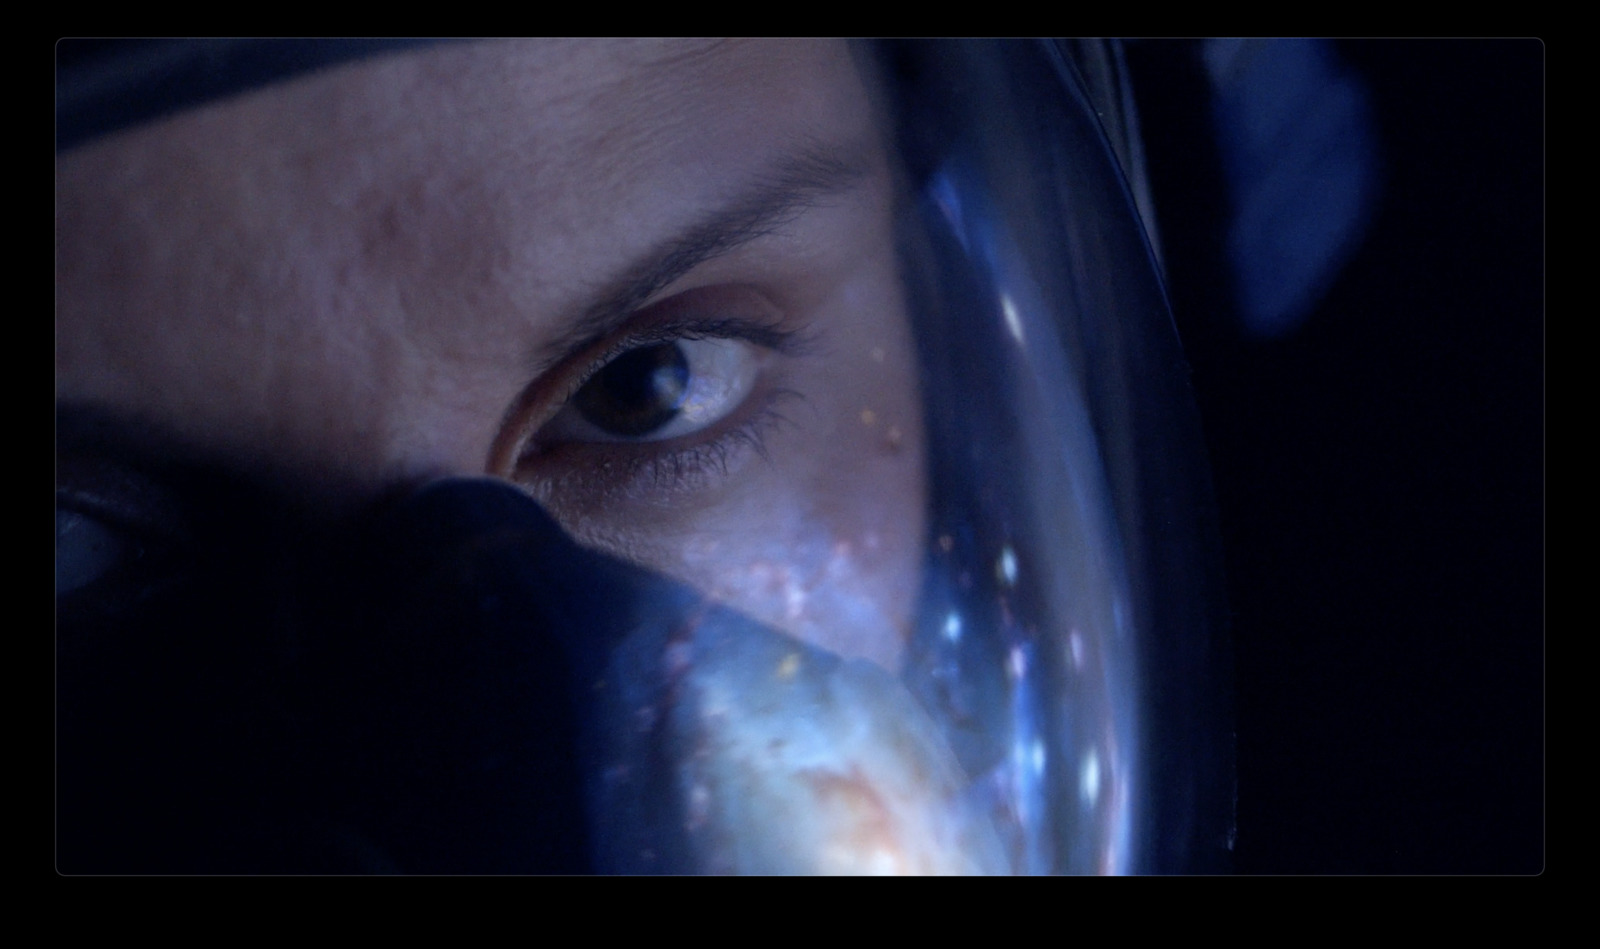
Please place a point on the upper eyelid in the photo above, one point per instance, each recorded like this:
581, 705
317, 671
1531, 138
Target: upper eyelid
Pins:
99, 482
730, 311
785, 341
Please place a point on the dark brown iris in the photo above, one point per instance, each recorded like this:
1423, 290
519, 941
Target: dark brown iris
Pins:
636, 393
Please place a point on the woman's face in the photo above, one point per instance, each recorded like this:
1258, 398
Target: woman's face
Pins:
654, 283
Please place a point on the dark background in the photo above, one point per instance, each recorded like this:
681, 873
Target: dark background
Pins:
1380, 475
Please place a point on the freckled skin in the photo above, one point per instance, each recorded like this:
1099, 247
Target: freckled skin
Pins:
340, 283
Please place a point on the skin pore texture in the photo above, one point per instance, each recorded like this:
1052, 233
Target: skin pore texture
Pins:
408, 267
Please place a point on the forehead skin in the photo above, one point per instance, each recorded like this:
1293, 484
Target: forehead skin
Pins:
347, 277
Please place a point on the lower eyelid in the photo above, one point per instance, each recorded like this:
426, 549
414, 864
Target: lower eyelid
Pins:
722, 374
519, 438
713, 457
587, 479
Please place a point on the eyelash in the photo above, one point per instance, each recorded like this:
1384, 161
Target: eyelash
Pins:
657, 465
785, 342
685, 467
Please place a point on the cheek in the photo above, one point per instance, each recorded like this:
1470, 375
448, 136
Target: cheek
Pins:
833, 560
827, 543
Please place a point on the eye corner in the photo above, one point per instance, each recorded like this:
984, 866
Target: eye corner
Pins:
109, 559
88, 550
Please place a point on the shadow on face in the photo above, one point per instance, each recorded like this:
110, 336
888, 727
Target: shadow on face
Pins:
654, 283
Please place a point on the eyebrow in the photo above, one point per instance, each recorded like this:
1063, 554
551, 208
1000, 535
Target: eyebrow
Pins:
774, 201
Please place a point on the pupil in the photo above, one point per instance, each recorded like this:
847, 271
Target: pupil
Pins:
638, 392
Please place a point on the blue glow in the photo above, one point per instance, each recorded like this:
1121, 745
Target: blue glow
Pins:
1089, 779
1006, 566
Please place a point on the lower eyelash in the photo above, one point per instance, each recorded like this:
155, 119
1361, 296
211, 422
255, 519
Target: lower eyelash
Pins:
646, 472
690, 467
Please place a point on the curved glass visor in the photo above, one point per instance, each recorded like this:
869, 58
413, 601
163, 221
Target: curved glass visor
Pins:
845, 511
1050, 700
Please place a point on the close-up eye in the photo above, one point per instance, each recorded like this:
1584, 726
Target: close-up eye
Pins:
659, 391
117, 531
673, 400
